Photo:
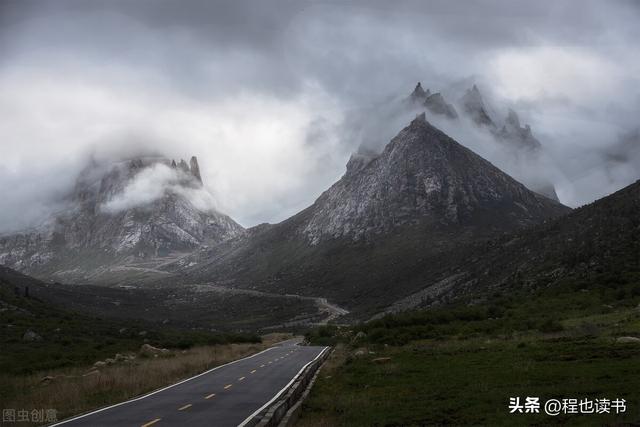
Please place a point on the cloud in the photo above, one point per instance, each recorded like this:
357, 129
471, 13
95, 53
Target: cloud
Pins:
273, 96
152, 184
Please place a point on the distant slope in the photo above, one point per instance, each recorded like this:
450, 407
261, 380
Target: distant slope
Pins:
597, 243
38, 334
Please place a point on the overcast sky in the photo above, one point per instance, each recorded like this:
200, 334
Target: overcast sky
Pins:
273, 96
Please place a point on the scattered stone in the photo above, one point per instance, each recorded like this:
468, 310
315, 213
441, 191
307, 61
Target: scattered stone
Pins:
47, 379
359, 353
120, 357
100, 364
109, 361
142, 333
381, 360
31, 336
122, 330
628, 340
149, 350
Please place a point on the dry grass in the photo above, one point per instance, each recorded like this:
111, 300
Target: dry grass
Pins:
337, 358
72, 391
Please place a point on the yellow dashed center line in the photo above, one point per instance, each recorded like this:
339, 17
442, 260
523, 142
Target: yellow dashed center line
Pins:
150, 423
253, 372
228, 386
241, 379
187, 406
210, 396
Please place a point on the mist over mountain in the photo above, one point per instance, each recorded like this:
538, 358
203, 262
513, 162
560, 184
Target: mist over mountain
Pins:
315, 81
390, 216
143, 209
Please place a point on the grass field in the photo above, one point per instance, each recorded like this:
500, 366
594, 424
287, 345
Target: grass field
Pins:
459, 365
78, 389
48, 356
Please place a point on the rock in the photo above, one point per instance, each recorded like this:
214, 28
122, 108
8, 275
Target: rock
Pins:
473, 105
437, 105
419, 94
91, 373
47, 379
195, 169
110, 361
628, 340
31, 336
122, 330
149, 350
381, 360
142, 333
120, 357
100, 364
359, 353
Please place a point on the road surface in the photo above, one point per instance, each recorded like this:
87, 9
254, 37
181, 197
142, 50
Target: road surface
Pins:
228, 395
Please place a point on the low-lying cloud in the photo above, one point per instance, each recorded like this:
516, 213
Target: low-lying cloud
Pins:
274, 96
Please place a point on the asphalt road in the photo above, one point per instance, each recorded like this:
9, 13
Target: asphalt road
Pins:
224, 396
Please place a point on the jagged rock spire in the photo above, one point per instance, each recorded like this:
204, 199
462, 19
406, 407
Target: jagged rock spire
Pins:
419, 94
473, 105
437, 105
195, 169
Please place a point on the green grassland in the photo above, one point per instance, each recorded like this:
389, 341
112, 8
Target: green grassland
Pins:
69, 338
460, 364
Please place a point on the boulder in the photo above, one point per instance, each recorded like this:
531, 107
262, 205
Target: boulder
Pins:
31, 336
100, 364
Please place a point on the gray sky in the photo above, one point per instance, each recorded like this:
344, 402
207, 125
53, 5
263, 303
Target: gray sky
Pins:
273, 96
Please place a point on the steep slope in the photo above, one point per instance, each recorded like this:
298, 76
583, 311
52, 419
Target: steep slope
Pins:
131, 213
595, 245
387, 218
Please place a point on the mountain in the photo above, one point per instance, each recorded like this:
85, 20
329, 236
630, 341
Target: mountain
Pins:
391, 215
521, 136
434, 102
594, 246
121, 218
473, 105
422, 176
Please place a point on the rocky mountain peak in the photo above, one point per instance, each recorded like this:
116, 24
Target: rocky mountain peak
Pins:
195, 169
436, 104
111, 219
517, 135
473, 104
512, 119
421, 176
419, 94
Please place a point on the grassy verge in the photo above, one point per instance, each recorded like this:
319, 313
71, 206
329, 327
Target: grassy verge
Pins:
459, 365
74, 390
